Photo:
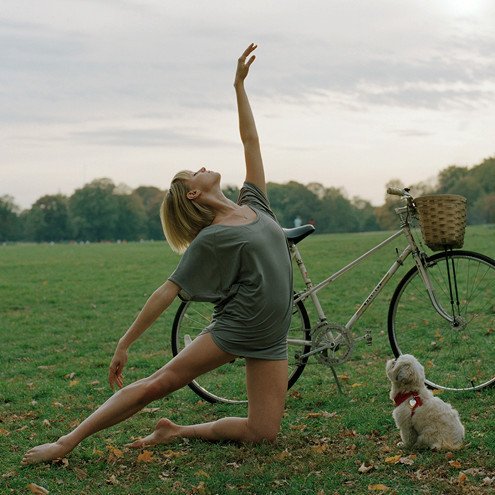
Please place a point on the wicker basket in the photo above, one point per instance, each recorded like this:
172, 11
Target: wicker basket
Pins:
442, 219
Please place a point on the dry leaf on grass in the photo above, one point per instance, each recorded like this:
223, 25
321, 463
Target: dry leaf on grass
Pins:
112, 480
455, 464
379, 487
37, 490
199, 488
319, 448
81, 473
146, 456
366, 467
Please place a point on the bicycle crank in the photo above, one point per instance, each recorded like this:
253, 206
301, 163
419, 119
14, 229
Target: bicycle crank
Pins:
332, 344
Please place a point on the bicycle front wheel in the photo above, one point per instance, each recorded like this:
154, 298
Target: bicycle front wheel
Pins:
458, 355
228, 382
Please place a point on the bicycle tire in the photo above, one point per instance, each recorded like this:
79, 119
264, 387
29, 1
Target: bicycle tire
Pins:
455, 357
227, 383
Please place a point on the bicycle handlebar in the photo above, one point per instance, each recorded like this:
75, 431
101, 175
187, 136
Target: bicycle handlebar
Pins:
396, 191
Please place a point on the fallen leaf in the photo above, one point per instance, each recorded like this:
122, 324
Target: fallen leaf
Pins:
146, 456
94, 383
150, 409
313, 415
449, 455
112, 480
57, 404
81, 473
199, 488
73, 383
455, 464
46, 423
378, 487
462, 478
170, 453
329, 415
4, 432
10, 474
319, 448
74, 424
356, 385
202, 473
38, 490
365, 467
115, 453
394, 459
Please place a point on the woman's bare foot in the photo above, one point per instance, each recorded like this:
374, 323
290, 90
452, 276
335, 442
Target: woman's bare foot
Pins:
47, 452
165, 430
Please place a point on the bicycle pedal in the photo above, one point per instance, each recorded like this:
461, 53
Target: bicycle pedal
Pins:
368, 337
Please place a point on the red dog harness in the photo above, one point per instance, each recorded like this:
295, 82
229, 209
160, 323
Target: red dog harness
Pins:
413, 403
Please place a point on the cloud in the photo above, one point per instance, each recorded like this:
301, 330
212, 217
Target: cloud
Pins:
135, 137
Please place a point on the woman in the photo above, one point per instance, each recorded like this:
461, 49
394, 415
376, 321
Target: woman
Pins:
235, 256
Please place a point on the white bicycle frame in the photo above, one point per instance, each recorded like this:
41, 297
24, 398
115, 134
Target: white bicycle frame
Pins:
411, 248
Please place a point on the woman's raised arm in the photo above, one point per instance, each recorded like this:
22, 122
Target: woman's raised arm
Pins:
247, 126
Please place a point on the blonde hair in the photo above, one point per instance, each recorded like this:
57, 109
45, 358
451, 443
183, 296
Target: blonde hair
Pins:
182, 218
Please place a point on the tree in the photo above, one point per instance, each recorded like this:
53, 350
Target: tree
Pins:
291, 200
385, 214
8, 219
132, 220
152, 198
449, 177
231, 192
48, 219
94, 211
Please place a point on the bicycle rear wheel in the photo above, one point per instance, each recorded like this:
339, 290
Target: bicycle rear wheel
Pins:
228, 382
458, 355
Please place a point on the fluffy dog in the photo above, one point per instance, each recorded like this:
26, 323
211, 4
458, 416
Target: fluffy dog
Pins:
423, 420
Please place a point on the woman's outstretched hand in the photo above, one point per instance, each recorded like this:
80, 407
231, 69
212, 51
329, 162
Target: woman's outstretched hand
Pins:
242, 65
116, 367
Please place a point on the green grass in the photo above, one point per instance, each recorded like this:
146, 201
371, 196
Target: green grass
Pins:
62, 310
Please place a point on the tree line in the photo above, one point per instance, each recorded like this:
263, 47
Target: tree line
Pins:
103, 211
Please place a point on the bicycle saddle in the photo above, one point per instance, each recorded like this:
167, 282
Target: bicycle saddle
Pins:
298, 233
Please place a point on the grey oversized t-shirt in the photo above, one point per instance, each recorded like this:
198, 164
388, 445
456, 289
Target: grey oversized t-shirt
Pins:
246, 272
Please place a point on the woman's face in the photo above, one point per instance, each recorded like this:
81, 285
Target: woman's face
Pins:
203, 179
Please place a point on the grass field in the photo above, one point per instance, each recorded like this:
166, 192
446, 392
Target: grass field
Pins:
62, 310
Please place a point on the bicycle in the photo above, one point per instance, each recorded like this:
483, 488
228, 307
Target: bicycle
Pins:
442, 311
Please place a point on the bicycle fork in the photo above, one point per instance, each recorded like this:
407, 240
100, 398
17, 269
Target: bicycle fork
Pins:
454, 317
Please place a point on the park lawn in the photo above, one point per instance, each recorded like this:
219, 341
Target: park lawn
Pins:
62, 310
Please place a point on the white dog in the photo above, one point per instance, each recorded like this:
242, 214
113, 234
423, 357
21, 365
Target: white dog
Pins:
423, 420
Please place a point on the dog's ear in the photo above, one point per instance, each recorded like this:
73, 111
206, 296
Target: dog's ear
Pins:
404, 374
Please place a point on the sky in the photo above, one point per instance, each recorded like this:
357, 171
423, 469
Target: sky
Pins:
346, 93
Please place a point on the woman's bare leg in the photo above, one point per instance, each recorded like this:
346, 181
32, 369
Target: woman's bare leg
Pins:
200, 356
267, 389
